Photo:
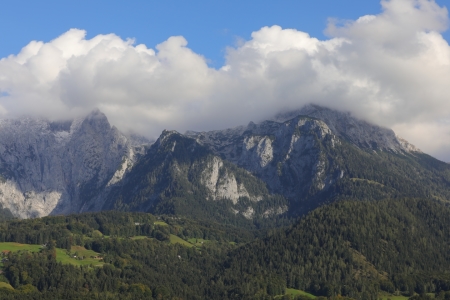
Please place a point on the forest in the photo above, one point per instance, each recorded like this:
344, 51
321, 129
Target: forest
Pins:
346, 250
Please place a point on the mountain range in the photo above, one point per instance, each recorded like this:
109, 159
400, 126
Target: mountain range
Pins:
255, 174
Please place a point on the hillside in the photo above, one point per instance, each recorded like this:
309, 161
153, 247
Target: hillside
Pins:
140, 256
352, 248
357, 249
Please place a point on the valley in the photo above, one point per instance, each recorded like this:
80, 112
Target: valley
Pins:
338, 249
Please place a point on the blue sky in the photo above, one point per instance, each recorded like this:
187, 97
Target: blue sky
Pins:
244, 61
209, 26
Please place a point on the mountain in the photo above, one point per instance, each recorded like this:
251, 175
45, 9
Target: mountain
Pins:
256, 174
317, 155
60, 167
179, 176
358, 132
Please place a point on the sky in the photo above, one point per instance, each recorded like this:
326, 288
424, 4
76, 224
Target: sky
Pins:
204, 65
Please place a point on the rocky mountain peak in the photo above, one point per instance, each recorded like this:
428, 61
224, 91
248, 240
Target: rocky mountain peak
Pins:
97, 121
358, 132
61, 166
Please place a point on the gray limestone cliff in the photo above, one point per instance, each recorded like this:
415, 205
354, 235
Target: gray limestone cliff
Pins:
60, 167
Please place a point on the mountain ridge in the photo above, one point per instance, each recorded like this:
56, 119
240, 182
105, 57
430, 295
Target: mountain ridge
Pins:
308, 157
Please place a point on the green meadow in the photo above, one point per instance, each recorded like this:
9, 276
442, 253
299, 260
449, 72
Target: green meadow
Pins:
295, 292
83, 257
177, 240
4, 285
161, 223
14, 247
197, 242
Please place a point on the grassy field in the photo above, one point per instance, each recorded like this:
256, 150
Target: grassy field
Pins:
161, 223
177, 240
61, 254
197, 242
139, 237
4, 285
63, 257
295, 292
13, 247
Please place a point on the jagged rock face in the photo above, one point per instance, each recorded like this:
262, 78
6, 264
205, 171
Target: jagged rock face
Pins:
177, 167
58, 167
309, 156
290, 156
220, 182
298, 154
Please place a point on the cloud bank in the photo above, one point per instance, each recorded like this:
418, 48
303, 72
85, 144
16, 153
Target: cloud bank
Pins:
392, 69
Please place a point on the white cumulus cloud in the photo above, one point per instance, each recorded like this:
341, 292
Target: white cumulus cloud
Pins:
392, 69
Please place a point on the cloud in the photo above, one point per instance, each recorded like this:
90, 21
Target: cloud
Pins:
392, 69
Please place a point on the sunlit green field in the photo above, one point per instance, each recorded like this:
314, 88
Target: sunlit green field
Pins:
197, 242
295, 292
177, 240
139, 237
78, 251
61, 254
4, 285
13, 247
161, 223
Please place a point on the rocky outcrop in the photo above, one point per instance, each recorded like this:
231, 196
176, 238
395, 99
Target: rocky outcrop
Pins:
222, 183
289, 156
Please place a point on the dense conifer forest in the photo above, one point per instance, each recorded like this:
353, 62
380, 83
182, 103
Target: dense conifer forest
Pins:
354, 249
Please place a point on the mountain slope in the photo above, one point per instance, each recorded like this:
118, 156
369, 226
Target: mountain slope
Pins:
352, 248
179, 176
319, 155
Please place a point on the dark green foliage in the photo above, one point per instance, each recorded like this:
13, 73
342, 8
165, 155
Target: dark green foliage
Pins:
133, 269
353, 249
383, 174
74, 229
5, 214
82, 229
